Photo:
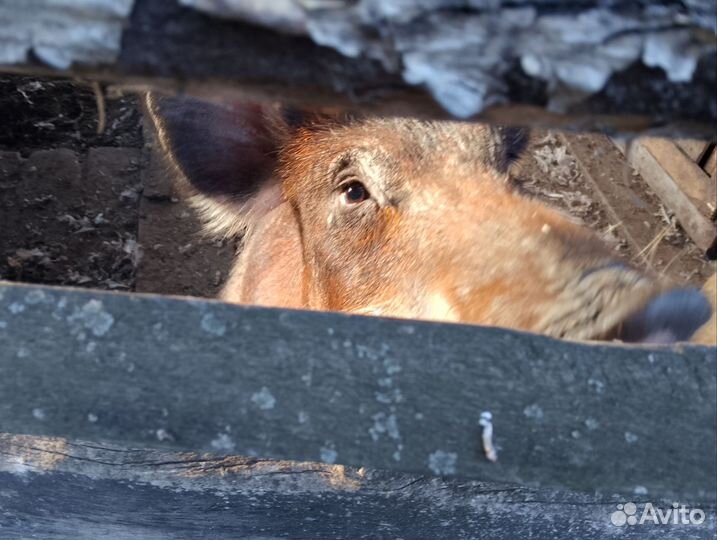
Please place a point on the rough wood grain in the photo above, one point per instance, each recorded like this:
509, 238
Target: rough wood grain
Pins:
693, 148
602, 65
361, 391
53, 488
621, 194
685, 172
687, 199
711, 167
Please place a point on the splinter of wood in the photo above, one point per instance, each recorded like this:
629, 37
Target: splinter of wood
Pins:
486, 422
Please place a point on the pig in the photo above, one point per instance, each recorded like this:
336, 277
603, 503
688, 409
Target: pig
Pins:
406, 218
707, 334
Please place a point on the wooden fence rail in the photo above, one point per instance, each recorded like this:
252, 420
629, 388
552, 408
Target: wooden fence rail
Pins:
55, 489
359, 391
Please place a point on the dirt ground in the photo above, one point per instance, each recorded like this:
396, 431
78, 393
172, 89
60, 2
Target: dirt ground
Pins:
98, 210
93, 210
551, 173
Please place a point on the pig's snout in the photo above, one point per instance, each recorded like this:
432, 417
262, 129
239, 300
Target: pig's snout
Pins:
614, 301
671, 316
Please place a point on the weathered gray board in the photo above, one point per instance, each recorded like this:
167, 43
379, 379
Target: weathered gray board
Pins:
58, 489
613, 66
360, 391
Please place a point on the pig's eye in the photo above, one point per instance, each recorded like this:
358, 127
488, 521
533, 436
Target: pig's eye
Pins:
354, 192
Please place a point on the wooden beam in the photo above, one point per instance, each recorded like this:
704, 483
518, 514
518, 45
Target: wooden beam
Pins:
681, 184
711, 169
685, 172
711, 166
509, 64
694, 149
53, 488
360, 391
621, 194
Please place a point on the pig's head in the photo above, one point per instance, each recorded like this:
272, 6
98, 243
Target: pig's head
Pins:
408, 218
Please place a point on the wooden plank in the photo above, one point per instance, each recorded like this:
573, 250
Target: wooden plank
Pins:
53, 488
711, 165
689, 177
694, 149
361, 391
678, 185
711, 168
621, 194
508, 63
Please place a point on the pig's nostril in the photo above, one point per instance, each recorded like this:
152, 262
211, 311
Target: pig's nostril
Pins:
672, 316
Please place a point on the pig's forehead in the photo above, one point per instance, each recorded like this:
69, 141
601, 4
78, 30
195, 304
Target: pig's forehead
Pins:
391, 154
413, 131
410, 139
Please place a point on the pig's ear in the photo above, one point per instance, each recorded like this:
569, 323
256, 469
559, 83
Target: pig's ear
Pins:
509, 144
225, 156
